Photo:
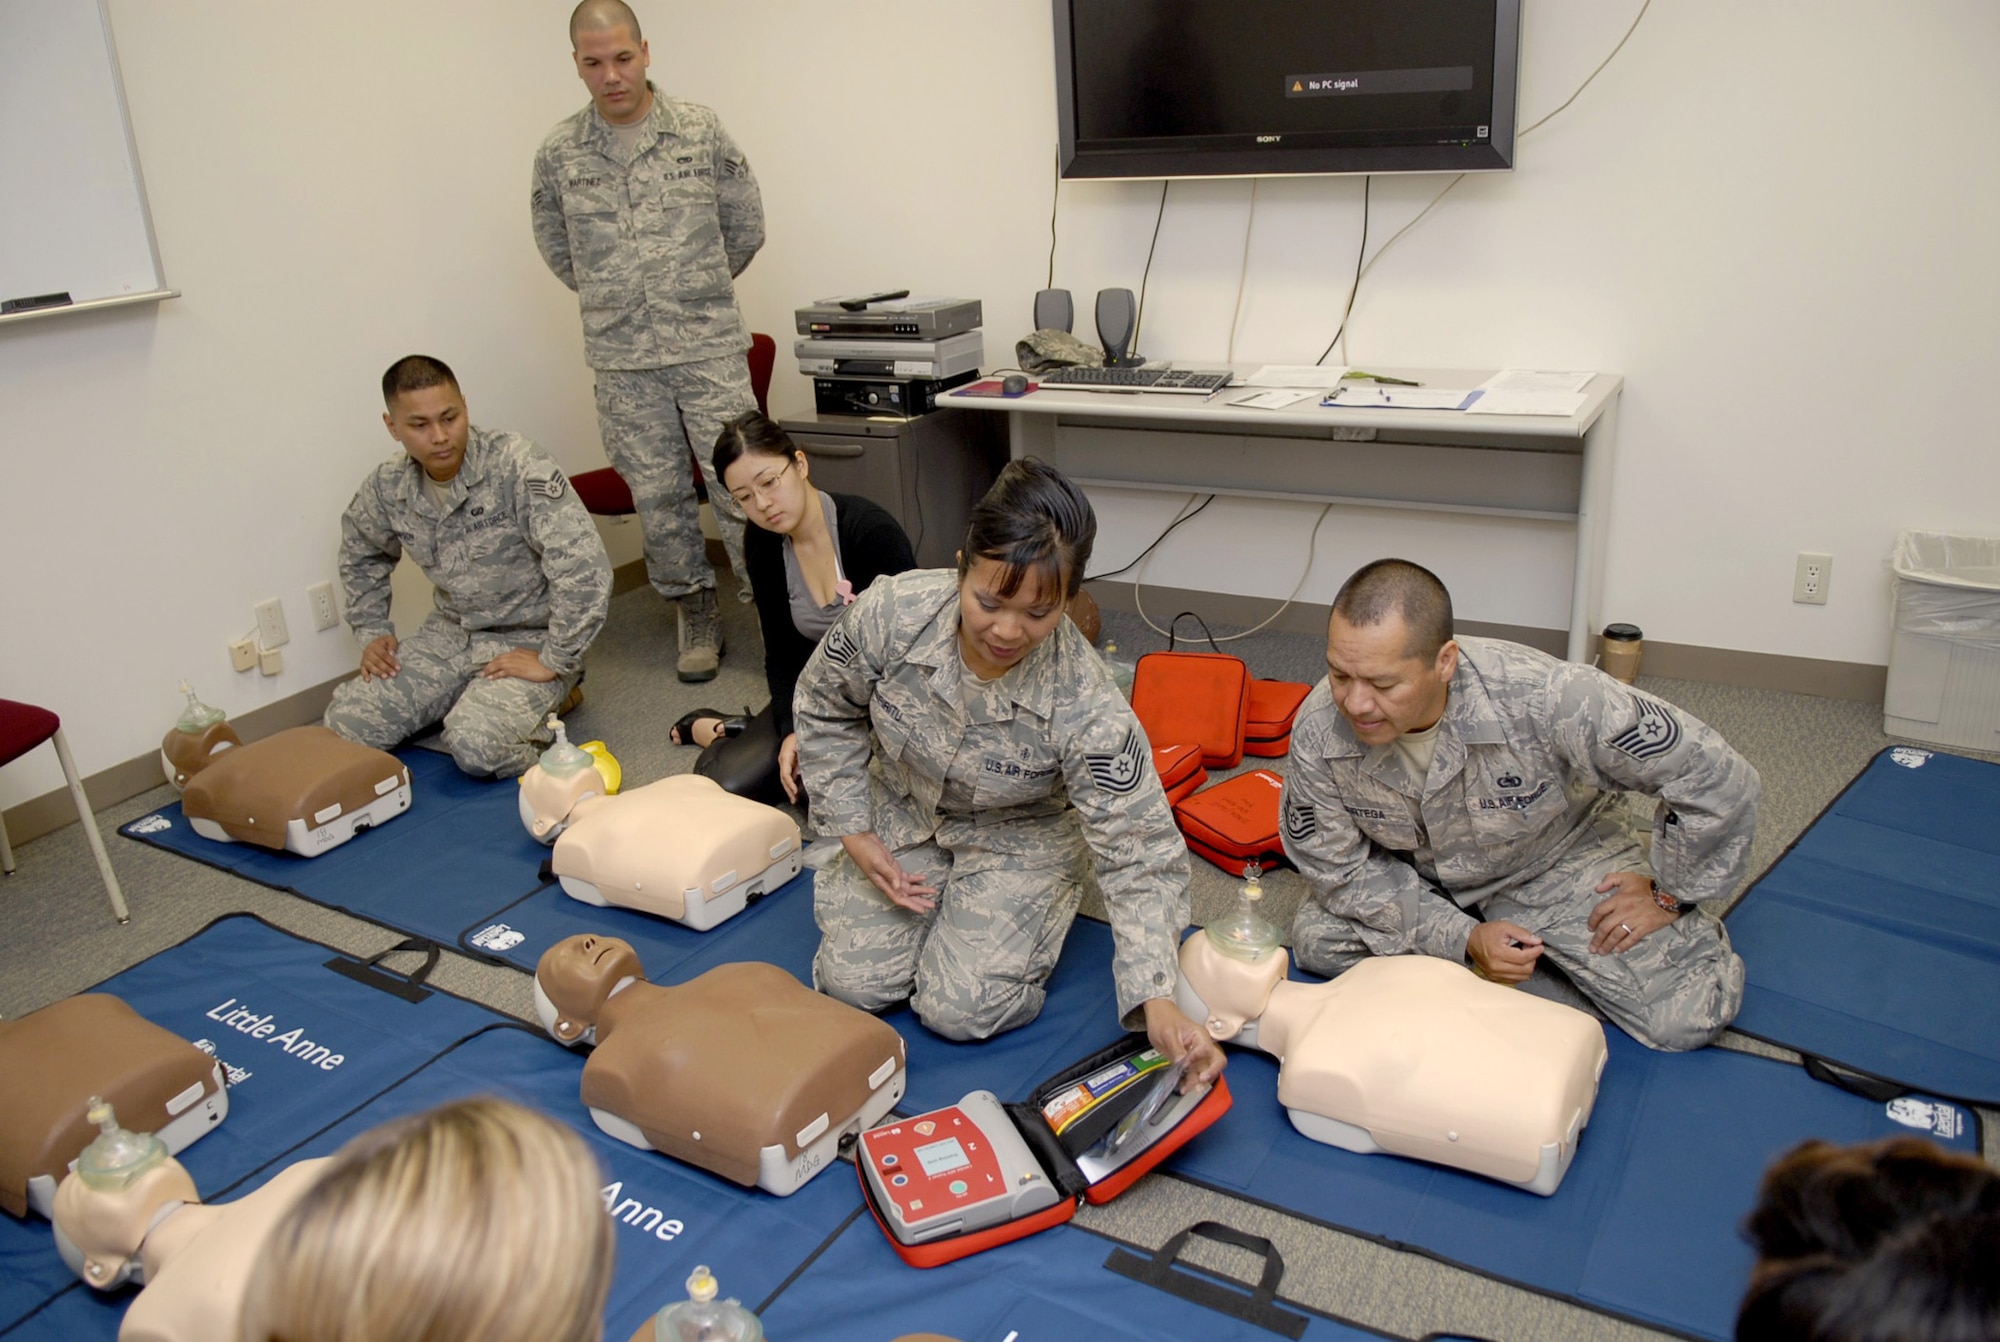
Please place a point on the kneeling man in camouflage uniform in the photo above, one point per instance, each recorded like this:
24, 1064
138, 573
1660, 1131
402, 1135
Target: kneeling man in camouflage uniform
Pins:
522, 582
1465, 798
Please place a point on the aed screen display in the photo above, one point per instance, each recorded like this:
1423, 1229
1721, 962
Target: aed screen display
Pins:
942, 1157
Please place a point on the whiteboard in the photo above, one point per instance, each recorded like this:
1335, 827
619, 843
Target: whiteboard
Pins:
72, 202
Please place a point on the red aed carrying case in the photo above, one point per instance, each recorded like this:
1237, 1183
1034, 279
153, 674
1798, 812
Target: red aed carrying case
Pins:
959, 1180
1235, 821
1180, 771
1200, 698
1273, 704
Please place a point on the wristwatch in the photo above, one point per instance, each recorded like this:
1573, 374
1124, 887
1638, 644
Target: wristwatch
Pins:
1668, 902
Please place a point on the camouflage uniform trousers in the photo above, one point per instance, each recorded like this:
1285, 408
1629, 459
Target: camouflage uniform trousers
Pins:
972, 967
649, 418
1675, 990
496, 727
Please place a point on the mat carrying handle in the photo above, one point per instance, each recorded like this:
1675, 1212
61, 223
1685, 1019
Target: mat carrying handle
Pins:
409, 987
1175, 624
1259, 1307
1855, 1083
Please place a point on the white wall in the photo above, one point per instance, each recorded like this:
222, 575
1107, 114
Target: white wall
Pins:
1775, 220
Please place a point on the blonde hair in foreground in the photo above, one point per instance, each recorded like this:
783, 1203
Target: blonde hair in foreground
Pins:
477, 1220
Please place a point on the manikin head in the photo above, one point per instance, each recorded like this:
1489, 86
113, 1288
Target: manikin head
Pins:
1389, 651
426, 414
101, 1230
1224, 992
576, 977
765, 472
1026, 549
611, 59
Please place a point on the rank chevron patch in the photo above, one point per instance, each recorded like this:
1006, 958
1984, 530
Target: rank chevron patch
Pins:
1120, 772
1655, 733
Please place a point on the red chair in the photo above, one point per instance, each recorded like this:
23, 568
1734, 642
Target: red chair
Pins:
604, 491
22, 728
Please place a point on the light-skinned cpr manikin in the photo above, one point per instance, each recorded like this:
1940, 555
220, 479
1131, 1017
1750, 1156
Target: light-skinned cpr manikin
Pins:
1404, 1054
130, 1212
742, 1071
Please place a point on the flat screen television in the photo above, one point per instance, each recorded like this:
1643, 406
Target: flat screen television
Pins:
1252, 88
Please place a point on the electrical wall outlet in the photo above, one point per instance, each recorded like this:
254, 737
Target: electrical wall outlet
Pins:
1812, 578
243, 653
270, 662
271, 631
320, 597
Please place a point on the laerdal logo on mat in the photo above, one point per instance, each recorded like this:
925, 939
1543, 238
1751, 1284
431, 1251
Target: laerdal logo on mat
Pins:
1909, 757
1937, 1118
152, 824
496, 937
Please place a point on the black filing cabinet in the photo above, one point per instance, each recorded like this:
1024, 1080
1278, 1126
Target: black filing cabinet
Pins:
927, 472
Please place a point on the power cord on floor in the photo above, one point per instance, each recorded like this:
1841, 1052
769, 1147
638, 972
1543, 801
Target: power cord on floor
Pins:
1312, 556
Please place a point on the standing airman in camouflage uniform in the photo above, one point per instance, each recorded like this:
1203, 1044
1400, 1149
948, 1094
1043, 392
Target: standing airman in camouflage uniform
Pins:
522, 582
1465, 798
645, 206
975, 757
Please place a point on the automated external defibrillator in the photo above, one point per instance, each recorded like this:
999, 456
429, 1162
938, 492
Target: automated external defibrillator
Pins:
55, 1061
980, 1173
1405, 1054
742, 1071
680, 848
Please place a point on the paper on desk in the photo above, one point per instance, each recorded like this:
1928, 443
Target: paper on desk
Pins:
1398, 398
1274, 400
1295, 375
1527, 403
1534, 379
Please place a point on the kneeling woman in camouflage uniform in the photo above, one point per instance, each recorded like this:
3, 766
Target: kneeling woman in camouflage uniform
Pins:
971, 751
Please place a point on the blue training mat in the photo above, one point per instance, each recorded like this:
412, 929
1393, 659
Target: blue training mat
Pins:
1047, 1286
670, 1216
277, 1097
456, 855
1645, 1223
1874, 941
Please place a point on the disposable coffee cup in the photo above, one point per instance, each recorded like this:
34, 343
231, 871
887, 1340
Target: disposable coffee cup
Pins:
1620, 650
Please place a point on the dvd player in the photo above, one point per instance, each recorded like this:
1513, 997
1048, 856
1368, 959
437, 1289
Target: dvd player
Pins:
839, 356
898, 318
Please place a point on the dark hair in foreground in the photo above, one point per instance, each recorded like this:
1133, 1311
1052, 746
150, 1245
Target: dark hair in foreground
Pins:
414, 372
1398, 587
1892, 1241
750, 433
1035, 521
603, 14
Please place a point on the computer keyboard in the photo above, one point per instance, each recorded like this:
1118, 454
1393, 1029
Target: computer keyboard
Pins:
1187, 381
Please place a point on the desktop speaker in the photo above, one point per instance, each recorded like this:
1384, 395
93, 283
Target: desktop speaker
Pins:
1054, 311
1116, 313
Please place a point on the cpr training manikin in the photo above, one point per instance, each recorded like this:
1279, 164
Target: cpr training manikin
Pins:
742, 1071
1405, 1054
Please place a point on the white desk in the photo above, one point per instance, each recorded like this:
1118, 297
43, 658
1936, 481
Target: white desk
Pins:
1543, 468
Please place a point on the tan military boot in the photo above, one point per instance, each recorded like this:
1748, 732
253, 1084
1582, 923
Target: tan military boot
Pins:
700, 637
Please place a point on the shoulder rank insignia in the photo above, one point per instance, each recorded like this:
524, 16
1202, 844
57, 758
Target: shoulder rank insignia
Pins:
1120, 772
1655, 733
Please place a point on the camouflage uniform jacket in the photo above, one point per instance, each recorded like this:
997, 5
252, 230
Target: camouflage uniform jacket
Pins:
881, 722
513, 550
1532, 750
649, 246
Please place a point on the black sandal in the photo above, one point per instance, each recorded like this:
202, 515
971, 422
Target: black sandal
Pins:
682, 732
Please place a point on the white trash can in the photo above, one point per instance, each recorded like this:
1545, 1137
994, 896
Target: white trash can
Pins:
1944, 660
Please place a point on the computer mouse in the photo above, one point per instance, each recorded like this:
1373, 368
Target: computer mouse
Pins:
1014, 384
